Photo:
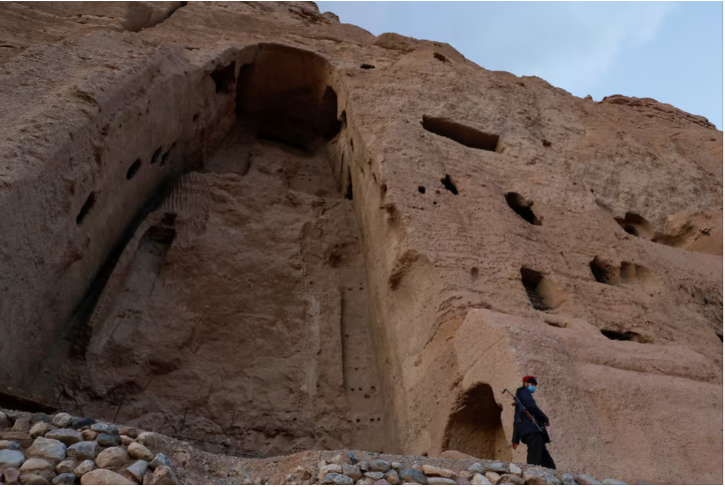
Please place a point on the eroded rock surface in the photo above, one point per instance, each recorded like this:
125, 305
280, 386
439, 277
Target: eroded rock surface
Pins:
263, 231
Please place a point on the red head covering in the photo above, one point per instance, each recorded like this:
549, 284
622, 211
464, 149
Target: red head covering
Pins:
530, 379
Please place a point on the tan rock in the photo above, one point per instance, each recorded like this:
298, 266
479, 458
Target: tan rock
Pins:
19, 437
129, 431
67, 466
352, 471
11, 476
479, 479
147, 439
33, 479
440, 481
126, 440
52, 450
492, 476
438, 472
112, 457
38, 466
84, 467
89, 435
163, 475
341, 458
137, 450
105, 477
331, 468
40, 429
22, 424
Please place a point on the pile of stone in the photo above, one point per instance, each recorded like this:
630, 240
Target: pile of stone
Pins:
345, 470
62, 450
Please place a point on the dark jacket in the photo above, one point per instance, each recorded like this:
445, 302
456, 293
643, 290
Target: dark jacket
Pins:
522, 424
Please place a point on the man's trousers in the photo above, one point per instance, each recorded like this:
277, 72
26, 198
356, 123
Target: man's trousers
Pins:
537, 453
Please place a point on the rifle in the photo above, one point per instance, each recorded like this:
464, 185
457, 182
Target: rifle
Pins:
523, 409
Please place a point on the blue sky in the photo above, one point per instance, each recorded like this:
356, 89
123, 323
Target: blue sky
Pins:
669, 51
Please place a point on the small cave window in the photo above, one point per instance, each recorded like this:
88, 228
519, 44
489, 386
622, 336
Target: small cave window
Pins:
167, 154
224, 78
636, 225
86, 208
367, 66
627, 336
532, 281
449, 185
546, 143
603, 272
460, 133
421, 189
522, 207
155, 157
474, 273
133, 170
719, 335
439, 57
475, 427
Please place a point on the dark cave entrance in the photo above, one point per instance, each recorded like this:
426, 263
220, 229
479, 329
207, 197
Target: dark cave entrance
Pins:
475, 428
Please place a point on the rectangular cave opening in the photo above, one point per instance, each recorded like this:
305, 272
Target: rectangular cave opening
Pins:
532, 281
225, 78
463, 134
603, 272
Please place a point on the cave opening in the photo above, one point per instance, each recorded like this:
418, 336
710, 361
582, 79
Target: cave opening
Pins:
603, 272
522, 207
448, 184
86, 208
475, 427
285, 95
133, 170
462, 134
636, 225
532, 281
626, 336
224, 78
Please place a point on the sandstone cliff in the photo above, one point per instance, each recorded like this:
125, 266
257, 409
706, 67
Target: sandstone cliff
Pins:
254, 228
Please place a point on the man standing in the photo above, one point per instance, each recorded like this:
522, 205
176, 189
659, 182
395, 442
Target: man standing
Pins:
533, 435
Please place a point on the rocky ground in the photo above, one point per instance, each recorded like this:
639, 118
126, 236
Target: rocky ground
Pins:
59, 449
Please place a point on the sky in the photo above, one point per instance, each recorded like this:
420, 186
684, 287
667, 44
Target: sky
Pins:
669, 51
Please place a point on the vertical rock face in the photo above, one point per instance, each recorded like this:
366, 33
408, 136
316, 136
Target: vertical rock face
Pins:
261, 230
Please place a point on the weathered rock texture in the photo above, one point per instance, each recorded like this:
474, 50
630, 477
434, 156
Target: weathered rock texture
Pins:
258, 229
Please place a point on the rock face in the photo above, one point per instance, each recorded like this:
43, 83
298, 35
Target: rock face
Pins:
194, 191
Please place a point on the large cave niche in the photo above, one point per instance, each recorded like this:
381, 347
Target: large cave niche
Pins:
238, 318
475, 426
286, 96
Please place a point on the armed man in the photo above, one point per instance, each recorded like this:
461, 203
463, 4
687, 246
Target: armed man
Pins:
530, 425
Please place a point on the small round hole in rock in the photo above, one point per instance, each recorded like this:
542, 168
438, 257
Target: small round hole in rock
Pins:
421, 189
474, 272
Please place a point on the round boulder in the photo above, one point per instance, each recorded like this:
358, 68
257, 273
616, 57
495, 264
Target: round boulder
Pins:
112, 457
105, 477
